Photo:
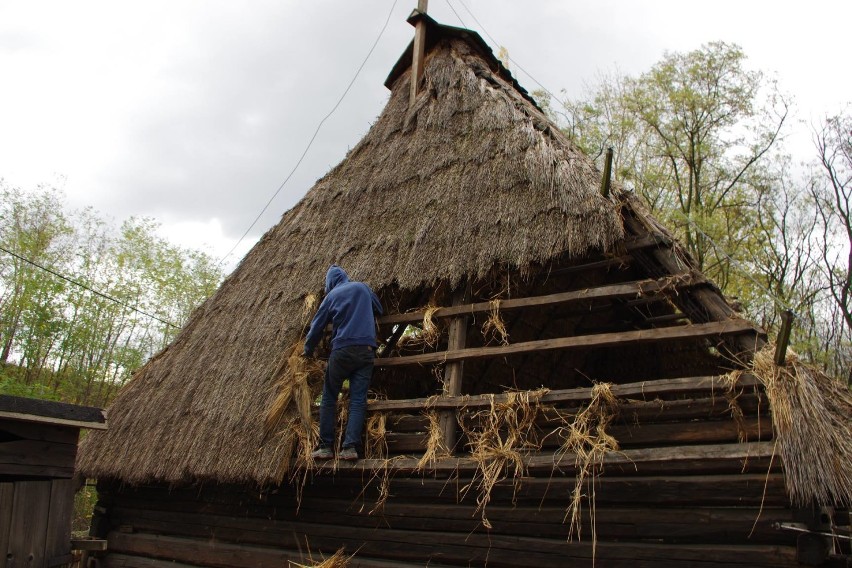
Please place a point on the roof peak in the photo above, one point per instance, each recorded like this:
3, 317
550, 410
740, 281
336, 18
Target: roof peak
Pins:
434, 33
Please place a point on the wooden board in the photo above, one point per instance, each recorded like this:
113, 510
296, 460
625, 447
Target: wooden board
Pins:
609, 292
610, 340
448, 547
58, 541
30, 515
7, 499
645, 390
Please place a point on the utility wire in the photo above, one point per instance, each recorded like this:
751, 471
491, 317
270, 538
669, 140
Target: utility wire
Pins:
316, 132
92, 290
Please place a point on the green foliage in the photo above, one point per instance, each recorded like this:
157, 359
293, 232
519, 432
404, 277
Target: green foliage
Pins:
80, 341
698, 138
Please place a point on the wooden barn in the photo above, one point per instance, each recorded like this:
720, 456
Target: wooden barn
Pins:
557, 386
38, 446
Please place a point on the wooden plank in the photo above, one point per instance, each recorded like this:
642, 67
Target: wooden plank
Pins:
114, 560
58, 541
7, 499
580, 342
28, 534
475, 549
609, 292
37, 458
90, 544
621, 262
643, 389
56, 421
714, 457
49, 409
629, 412
12, 429
453, 372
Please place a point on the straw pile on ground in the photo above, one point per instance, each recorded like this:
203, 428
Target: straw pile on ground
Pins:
812, 420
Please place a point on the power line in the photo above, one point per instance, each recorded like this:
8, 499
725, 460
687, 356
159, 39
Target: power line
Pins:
316, 132
92, 290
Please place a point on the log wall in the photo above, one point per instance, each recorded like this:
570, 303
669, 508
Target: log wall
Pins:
693, 484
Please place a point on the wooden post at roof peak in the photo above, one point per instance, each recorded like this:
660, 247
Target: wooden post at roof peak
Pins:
418, 52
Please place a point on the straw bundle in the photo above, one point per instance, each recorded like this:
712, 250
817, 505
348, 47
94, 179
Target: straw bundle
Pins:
337, 560
586, 438
498, 442
298, 380
812, 419
494, 327
435, 445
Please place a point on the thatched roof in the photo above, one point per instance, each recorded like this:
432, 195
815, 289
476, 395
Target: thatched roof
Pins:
471, 177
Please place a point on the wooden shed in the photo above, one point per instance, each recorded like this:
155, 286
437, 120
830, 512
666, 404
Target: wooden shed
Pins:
38, 447
558, 385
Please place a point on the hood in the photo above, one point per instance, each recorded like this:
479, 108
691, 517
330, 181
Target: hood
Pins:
335, 277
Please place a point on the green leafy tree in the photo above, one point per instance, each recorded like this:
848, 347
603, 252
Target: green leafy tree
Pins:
691, 137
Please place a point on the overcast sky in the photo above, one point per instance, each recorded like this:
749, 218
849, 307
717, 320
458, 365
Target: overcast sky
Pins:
194, 112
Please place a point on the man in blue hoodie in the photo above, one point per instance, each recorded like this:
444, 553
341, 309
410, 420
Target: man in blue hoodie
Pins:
349, 306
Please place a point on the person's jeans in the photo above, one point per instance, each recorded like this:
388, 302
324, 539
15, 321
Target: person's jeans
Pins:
356, 364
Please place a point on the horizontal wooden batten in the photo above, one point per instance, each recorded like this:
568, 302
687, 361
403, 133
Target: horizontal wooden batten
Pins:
612, 292
676, 459
644, 389
705, 407
697, 331
429, 547
698, 525
629, 435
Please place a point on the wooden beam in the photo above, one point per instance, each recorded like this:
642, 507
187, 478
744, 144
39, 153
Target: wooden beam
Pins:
752, 456
607, 173
418, 52
454, 371
610, 292
644, 389
783, 337
581, 342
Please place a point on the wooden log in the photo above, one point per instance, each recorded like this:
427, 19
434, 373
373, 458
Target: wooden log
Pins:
609, 340
608, 292
673, 525
636, 413
706, 458
691, 490
643, 389
496, 550
453, 373
628, 435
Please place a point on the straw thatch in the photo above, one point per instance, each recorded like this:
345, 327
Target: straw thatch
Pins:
812, 420
471, 177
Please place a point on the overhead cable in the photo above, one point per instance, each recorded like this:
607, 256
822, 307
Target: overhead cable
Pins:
92, 290
316, 132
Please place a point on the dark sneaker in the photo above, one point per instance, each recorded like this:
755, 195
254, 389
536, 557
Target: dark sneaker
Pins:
348, 454
322, 454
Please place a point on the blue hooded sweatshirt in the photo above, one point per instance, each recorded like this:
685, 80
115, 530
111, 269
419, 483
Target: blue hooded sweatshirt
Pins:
349, 306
